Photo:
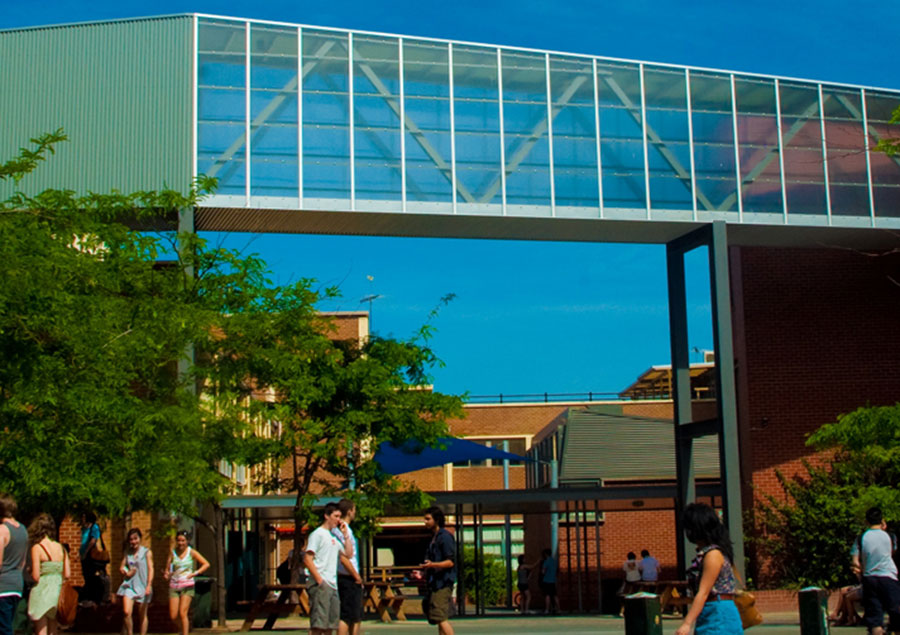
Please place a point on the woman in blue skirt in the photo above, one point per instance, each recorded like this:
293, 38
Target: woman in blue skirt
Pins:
710, 576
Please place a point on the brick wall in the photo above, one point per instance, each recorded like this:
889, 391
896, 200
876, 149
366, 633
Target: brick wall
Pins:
819, 337
815, 336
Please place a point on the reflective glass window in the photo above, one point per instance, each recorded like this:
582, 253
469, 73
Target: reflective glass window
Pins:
476, 109
801, 139
376, 118
426, 81
668, 154
621, 135
326, 117
221, 104
274, 153
714, 157
845, 144
525, 131
757, 126
885, 170
574, 133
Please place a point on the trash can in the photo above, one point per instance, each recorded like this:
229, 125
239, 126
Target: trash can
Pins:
202, 604
813, 603
642, 615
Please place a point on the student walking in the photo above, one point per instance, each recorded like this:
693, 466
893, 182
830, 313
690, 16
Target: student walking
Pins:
137, 587
13, 550
710, 576
440, 572
180, 573
49, 567
872, 554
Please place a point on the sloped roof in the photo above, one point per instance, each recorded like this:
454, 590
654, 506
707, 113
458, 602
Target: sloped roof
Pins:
604, 446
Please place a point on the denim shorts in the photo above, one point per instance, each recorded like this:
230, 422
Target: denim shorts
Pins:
720, 617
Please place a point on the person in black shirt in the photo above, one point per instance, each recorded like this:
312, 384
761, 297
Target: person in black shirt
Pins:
440, 572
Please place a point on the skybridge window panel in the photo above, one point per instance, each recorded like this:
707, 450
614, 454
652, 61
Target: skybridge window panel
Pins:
527, 146
221, 52
714, 151
426, 84
845, 144
376, 116
885, 169
477, 130
326, 120
574, 137
757, 126
801, 138
669, 158
621, 135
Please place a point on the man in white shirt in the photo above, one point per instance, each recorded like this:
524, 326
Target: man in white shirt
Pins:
321, 559
649, 567
872, 560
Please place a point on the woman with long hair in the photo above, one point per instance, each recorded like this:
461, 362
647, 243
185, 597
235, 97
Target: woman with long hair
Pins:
180, 573
710, 576
137, 583
49, 567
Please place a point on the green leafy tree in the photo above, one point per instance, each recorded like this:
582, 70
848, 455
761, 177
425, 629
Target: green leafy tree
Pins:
806, 536
890, 145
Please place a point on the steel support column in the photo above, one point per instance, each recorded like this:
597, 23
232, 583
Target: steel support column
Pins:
714, 238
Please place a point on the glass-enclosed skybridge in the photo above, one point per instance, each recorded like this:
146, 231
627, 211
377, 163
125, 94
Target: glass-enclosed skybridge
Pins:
419, 136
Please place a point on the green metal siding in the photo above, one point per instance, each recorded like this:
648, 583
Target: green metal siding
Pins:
606, 446
121, 90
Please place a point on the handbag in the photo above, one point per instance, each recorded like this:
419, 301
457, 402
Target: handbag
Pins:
101, 553
67, 606
746, 606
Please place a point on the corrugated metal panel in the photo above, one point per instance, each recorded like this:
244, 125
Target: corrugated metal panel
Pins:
604, 446
121, 90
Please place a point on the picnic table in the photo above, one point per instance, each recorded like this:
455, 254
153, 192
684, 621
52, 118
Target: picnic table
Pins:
384, 595
672, 593
283, 605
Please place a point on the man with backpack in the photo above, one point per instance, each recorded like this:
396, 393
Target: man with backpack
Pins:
872, 557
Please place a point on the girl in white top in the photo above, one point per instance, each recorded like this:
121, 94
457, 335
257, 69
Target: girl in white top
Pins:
137, 583
180, 573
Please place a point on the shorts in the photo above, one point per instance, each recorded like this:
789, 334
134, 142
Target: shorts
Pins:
436, 604
351, 598
719, 618
522, 586
548, 588
881, 594
142, 599
324, 606
177, 593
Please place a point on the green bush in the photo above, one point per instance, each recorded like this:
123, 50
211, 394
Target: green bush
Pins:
493, 581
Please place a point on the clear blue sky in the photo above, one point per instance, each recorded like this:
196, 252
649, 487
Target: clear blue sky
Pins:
536, 317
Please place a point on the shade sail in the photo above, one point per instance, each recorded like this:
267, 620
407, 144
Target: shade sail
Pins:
412, 455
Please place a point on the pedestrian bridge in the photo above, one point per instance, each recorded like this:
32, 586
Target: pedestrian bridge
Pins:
291, 117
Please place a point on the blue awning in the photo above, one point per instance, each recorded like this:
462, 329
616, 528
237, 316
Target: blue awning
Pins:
412, 455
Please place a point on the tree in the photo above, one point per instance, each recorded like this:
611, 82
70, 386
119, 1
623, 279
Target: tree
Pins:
890, 146
328, 403
807, 536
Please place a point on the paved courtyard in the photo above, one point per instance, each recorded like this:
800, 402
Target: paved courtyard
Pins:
777, 624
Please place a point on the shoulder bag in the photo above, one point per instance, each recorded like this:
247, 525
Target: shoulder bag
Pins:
101, 553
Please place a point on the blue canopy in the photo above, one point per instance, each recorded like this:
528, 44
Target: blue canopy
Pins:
413, 455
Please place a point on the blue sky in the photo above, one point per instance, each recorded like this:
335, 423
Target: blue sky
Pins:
533, 317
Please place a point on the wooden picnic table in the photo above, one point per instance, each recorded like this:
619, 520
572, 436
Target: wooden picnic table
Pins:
672, 593
283, 605
383, 593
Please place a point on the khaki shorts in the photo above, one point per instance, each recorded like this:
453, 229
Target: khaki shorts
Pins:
436, 605
324, 606
177, 593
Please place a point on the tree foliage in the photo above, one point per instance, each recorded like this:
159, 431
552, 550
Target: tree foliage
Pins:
807, 535
890, 145
493, 579
133, 362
